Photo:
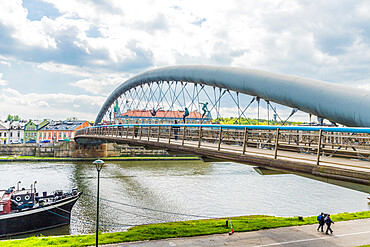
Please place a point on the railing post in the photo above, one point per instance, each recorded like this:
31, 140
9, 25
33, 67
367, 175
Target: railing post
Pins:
183, 137
141, 130
319, 148
133, 131
245, 139
277, 142
200, 136
159, 132
126, 131
150, 128
219, 139
169, 134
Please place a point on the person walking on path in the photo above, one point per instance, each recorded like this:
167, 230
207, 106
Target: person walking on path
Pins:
321, 221
328, 222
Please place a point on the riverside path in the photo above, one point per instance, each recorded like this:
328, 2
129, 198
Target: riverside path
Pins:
346, 233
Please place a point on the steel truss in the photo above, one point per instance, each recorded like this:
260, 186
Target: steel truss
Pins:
177, 95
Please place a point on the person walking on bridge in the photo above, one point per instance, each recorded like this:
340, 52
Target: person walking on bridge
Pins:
328, 222
186, 113
321, 221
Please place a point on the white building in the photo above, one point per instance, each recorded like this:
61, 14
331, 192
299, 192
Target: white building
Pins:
4, 133
12, 132
16, 131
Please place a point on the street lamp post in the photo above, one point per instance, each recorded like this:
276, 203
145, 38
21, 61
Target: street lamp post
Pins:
99, 165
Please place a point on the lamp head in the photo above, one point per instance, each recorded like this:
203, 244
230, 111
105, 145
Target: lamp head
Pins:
98, 164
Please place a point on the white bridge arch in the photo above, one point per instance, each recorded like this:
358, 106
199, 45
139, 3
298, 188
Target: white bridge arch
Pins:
337, 103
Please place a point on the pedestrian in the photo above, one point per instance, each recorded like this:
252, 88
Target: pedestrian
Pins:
186, 113
321, 221
328, 222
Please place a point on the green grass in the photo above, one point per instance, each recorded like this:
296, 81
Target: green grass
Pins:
251, 121
180, 229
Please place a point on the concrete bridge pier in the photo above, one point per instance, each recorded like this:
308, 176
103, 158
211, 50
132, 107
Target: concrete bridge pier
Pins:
89, 151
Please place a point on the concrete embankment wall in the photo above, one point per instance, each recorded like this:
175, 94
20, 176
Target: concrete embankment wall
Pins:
17, 149
72, 149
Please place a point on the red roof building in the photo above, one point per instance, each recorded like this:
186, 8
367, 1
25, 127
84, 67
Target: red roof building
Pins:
60, 131
160, 116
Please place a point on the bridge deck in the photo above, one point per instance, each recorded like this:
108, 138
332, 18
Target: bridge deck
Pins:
332, 157
283, 155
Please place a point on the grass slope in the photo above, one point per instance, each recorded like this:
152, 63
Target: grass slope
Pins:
180, 229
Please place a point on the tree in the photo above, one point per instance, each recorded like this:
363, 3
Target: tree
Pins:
10, 118
16, 118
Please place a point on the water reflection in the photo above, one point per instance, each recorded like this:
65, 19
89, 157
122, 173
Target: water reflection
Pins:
217, 189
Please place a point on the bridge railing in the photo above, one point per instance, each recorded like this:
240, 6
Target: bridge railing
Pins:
319, 141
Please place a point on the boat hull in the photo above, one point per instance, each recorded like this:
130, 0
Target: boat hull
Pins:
36, 219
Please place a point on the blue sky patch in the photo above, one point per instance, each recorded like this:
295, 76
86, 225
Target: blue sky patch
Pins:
38, 9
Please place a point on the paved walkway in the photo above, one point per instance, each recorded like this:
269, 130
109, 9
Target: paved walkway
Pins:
347, 233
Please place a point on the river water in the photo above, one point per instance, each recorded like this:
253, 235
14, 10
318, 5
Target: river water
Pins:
178, 190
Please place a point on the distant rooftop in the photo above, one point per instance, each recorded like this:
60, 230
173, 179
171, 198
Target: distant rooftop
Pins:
63, 125
160, 114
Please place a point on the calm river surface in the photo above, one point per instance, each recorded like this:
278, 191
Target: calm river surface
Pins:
216, 189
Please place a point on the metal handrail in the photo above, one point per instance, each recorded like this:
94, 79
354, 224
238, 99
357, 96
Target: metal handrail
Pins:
335, 141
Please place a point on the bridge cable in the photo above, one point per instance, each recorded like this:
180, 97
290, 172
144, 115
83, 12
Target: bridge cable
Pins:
275, 112
294, 110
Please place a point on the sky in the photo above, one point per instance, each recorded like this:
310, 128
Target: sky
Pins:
61, 59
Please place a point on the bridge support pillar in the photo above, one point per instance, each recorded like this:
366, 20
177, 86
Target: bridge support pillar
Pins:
99, 151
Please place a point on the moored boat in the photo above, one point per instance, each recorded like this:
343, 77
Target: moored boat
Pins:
24, 210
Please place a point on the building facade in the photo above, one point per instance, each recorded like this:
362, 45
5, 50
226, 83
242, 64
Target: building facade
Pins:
4, 133
57, 131
31, 128
16, 132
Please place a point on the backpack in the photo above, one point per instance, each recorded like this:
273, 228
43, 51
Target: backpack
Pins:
319, 218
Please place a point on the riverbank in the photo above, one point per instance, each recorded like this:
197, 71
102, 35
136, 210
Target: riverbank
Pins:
127, 158
181, 229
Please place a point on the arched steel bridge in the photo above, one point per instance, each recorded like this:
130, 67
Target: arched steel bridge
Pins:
335, 102
332, 154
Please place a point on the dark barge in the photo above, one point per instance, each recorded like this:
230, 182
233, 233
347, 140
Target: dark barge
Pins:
24, 211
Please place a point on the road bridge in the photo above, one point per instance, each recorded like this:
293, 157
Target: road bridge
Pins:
335, 155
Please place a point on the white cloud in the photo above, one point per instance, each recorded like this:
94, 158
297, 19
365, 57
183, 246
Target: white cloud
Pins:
2, 82
6, 63
100, 85
57, 106
64, 68
100, 44
31, 33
